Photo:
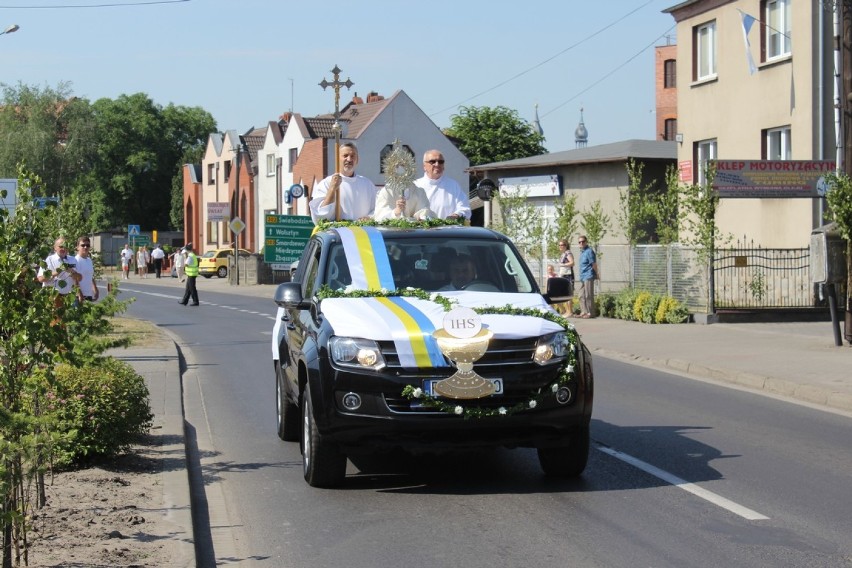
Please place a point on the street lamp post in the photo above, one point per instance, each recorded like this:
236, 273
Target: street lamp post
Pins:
11, 29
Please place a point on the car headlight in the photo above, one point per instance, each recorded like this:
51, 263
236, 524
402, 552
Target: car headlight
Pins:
551, 348
356, 353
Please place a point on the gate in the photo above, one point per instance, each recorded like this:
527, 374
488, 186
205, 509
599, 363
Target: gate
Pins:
749, 276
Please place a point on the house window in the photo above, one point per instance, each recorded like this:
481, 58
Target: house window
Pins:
670, 74
211, 174
227, 170
670, 129
705, 152
704, 40
387, 150
270, 165
777, 143
212, 232
776, 33
293, 155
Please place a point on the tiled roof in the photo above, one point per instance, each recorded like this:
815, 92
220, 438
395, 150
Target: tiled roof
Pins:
320, 126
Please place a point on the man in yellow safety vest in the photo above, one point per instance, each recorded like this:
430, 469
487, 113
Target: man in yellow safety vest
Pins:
191, 271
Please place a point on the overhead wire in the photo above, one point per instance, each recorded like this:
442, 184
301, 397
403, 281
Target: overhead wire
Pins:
612, 72
549, 59
102, 5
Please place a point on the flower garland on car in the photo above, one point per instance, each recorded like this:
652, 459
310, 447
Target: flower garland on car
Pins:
565, 375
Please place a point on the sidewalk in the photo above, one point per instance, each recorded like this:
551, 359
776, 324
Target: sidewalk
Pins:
794, 360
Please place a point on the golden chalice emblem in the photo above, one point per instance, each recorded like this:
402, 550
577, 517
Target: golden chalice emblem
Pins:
464, 341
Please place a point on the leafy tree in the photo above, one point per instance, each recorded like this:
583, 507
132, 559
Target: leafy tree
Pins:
50, 130
839, 200
564, 223
635, 215
665, 209
494, 135
120, 158
39, 329
595, 224
522, 222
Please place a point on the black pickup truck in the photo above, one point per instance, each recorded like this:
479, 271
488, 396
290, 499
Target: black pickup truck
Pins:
425, 339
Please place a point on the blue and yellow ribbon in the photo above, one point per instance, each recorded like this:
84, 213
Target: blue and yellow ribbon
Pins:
367, 258
411, 330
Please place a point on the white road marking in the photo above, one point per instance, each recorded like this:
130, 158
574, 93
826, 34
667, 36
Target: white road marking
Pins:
709, 496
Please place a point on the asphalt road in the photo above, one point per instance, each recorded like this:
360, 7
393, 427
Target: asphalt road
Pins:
682, 473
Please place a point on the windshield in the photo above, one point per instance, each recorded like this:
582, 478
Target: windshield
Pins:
209, 254
432, 264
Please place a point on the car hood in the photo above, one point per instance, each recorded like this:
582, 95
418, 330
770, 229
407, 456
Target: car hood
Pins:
409, 322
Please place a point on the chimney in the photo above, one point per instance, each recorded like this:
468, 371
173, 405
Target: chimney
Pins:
374, 97
356, 100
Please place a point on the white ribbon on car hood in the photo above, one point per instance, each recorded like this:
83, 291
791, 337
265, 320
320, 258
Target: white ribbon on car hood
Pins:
409, 322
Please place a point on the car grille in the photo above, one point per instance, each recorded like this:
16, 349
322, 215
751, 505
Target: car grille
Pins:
509, 359
501, 352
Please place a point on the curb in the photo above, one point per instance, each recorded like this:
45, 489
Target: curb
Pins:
760, 384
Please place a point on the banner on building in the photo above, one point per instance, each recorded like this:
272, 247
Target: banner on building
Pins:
218, 211
531, 186
772, 178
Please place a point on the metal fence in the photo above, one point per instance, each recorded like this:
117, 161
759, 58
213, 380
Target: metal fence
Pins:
671, 271
749, 276
745, 276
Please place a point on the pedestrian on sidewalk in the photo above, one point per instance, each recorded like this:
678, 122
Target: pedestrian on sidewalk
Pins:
179, 260
588, 275
157, 255
87, 288
566, 270
191, 274
126, 259
142, 259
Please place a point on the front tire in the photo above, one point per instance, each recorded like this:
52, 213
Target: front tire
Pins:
322, 463
288, 413
566, 461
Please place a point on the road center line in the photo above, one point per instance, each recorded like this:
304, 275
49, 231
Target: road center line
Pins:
709, 496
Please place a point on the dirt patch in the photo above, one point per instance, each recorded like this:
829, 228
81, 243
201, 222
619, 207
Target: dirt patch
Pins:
106, 515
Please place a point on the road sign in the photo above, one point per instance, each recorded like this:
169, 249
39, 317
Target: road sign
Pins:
133, 230
237, 226
285, 236
140, 240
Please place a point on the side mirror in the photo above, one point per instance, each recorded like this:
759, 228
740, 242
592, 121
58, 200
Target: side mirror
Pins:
558, 290
289, 295
485, 189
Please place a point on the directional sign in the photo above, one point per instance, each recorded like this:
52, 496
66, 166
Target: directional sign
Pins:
285, 237
133, 230
140, 240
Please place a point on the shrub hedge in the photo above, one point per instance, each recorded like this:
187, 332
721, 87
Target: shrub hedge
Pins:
102, 408
639, 305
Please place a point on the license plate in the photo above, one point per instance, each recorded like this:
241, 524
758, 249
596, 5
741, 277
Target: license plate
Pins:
429, 386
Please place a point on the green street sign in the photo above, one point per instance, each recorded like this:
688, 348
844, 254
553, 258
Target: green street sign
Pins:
285, 237
140, 240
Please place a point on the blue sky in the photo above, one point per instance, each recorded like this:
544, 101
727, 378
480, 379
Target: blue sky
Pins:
247, 62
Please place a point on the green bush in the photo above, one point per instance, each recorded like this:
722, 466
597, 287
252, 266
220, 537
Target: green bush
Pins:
624, 302
104, 406
639, 304
648, 312
605, 304
671, 311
